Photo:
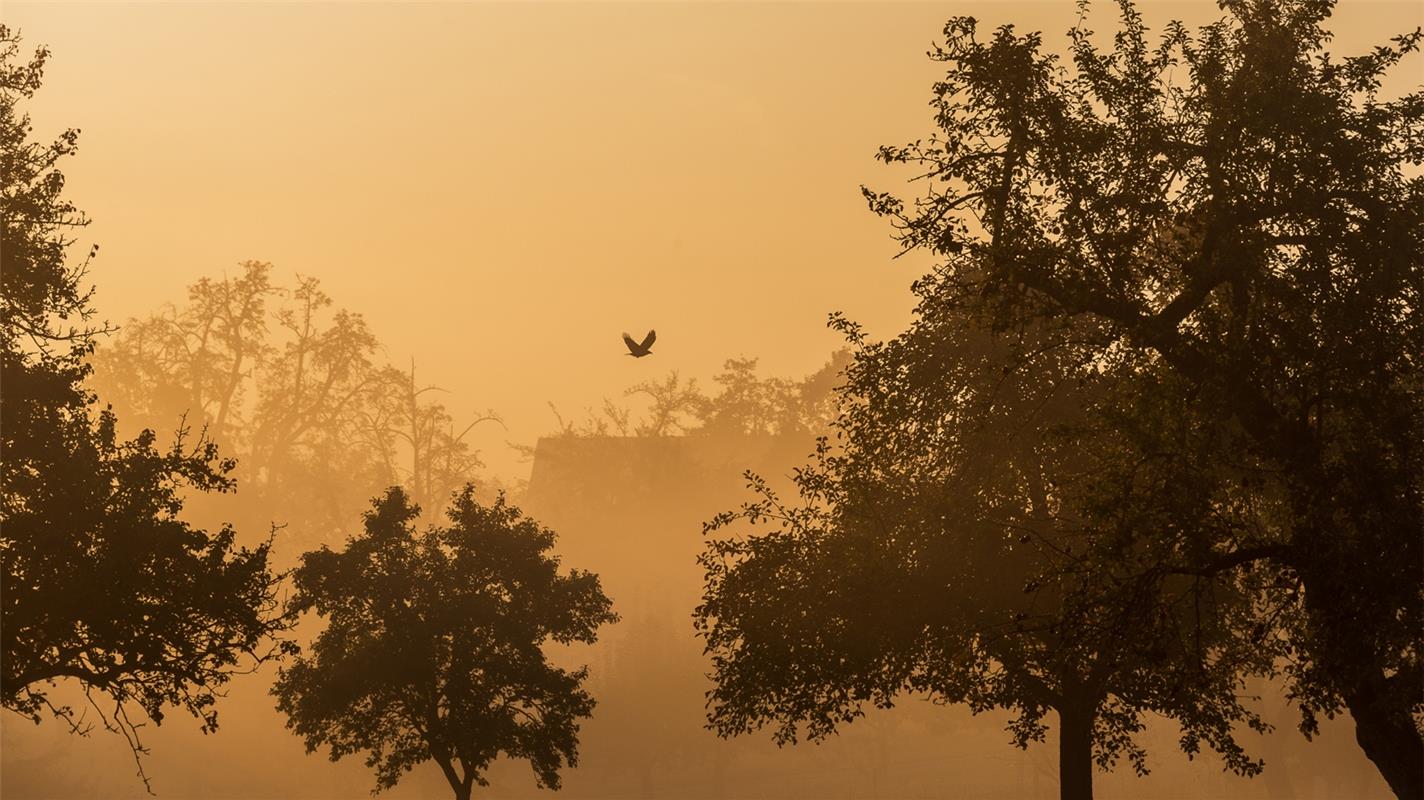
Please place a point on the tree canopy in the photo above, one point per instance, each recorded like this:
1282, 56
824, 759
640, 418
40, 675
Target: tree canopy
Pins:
104, 583
1243, 210
989, 531
1213, 243
433, 648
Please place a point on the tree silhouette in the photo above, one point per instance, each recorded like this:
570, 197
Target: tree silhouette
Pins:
104, 583
748, 405
303, 463
298, 394
1241, 209
989, 532
197, 359
674, 405
420, 447
744, 405
433, 645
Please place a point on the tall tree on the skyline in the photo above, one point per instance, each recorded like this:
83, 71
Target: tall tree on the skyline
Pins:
105, 585
1244, 210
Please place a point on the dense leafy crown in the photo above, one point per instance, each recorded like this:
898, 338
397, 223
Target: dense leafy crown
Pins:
1162, 389
433, 647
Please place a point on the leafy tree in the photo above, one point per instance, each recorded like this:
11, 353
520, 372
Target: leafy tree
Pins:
1242, 210
980, 537
433, 645
104, 584
749, 405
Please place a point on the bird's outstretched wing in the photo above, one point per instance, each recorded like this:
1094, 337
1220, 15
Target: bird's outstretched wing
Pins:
636, 349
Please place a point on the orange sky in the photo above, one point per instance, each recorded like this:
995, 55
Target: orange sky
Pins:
503, 188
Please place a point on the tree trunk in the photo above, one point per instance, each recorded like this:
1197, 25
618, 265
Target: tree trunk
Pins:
1390, 739
1380, 706
462, 788
1075, 752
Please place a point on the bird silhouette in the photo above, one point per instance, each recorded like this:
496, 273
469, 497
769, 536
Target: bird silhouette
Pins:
640, 349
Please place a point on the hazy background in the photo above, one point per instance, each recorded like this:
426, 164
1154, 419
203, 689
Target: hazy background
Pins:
501, 189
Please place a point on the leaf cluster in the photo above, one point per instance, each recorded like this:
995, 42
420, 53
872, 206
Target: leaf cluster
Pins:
433, 645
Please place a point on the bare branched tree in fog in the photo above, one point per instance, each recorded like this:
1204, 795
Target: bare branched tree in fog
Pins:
293, 386
105, 585
673, 405
433, 649
418, 440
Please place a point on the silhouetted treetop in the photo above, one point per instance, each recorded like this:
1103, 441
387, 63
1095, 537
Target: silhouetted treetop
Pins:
433, 644
45, 299
104, 583
1155, 424
744, 404
1243, 210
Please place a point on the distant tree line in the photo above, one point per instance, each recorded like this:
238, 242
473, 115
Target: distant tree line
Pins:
295, 390
742, 404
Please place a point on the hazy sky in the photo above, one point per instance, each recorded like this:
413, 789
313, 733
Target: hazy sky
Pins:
501, 189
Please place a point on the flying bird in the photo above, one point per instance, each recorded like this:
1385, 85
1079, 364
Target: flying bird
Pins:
640, 349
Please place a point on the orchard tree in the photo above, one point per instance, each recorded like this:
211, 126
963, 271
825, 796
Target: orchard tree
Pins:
991, 531
1243, 210
433, 649
104, 584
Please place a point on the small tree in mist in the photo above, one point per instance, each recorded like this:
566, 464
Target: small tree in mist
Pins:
104, 584
433, 648
1241, 209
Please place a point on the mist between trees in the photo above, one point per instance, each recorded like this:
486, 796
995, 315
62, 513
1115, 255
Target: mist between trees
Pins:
1142, 476
295, 389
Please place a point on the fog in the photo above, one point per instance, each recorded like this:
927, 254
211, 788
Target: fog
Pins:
499, 191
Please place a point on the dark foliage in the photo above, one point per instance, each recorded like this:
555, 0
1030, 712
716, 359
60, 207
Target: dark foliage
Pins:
103, 582
1244, 211
1173, 343
433, 648
990, 532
